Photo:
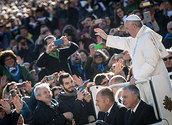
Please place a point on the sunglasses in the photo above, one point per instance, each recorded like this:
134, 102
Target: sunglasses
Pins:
96, 56
165, 59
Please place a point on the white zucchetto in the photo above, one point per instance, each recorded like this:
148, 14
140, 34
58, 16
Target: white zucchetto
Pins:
133, 17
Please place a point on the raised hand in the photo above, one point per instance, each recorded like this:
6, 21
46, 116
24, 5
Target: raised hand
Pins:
50, 48
65, 40
80, 94
18, 103
78, 80
28, 86
119, 67
3, 82
101, 33
87, 96
5, 106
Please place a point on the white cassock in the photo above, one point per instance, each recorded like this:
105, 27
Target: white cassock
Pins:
146, 51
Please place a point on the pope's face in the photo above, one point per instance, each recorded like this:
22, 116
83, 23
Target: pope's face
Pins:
130, 28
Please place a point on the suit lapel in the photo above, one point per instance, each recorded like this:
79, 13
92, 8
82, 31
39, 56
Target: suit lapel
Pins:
112, 113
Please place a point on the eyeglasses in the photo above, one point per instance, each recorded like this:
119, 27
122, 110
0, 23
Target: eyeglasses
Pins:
96, 56
170, 28
165, 59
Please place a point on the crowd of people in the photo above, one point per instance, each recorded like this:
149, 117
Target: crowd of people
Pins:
52, 53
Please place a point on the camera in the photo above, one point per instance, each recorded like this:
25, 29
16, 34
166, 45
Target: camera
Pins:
13, 93
20, 85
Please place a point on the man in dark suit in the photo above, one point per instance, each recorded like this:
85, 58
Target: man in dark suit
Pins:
111, 112
139, 113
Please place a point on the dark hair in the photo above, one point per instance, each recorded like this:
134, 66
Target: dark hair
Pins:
40, 9
107, 92
23, 27
84, 51
8, 85
54, 89
63, 76
133, 89
6, 53
98, 78
105, 57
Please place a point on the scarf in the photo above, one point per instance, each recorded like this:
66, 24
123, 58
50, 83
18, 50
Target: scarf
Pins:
15, 72
101, 67
57, 57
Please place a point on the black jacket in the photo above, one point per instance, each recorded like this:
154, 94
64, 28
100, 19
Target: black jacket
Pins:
55, 65
144, 115
48, 115
116, 115
80, 109
10, 119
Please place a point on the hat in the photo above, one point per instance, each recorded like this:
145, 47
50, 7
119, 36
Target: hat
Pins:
133, 17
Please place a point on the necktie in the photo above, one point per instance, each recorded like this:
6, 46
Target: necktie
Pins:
106, 116
131, 117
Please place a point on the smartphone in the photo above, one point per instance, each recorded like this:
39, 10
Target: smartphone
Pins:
81, 88
147, 16
98, 46
58, 42
20, 85
50, 78
13, 93
146, 4
98, 21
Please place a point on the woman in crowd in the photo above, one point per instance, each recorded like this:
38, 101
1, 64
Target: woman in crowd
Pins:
10, 68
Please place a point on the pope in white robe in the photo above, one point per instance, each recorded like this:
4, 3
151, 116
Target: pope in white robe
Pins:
144, 46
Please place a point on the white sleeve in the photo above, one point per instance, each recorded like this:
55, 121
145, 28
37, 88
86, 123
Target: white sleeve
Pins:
123, 43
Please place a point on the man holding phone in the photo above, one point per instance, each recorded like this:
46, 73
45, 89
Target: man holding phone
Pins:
76, 101
56, 55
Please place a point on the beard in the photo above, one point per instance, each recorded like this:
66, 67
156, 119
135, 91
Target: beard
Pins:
68, 91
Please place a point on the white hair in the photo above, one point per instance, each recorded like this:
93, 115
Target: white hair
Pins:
169, 23
39, 87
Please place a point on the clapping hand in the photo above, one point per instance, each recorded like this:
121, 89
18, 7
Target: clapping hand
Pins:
5, 106
18, 103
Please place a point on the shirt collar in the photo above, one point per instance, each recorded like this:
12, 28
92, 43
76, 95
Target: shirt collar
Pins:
135, 108
110, 109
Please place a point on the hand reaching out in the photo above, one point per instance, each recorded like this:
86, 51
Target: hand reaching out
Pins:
101, 33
